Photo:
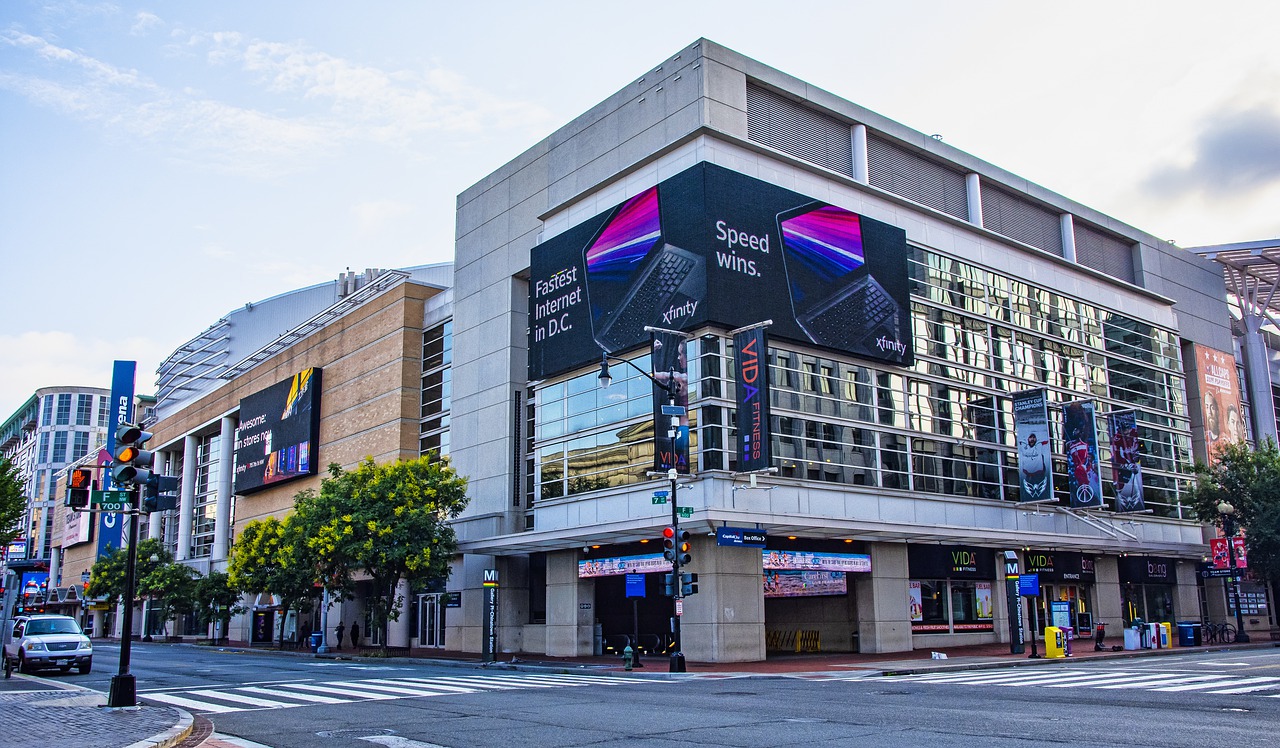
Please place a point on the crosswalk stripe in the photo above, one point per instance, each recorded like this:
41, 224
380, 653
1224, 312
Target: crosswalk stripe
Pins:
309, 697
1258, 685
239, 699
199, 706
422, 683
363, 685
1166, 680
495, 686
343, 692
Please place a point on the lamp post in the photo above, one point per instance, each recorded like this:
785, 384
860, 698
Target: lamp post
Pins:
677, 599
1226, 513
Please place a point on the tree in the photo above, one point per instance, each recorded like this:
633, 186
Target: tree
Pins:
171, 587
1249, 480
390, 521
216, 600
106, 578
13, 502
272, 556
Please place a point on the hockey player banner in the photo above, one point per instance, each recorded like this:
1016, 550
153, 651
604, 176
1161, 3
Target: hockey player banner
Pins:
1080, 432
670, 403
751, 369
1126, 460
1031, 427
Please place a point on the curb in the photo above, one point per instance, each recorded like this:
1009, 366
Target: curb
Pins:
172, 736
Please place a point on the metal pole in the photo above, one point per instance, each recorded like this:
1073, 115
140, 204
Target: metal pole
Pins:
124, 687
677, 599
1241, 636
324, 623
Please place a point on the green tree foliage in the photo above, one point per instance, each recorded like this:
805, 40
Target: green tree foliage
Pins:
13, 504
216, 600
1249, 480
388, 521
172, 588
106, 578
272, 556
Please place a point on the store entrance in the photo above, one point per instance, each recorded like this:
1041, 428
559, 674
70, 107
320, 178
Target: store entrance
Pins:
642, 622
431, 609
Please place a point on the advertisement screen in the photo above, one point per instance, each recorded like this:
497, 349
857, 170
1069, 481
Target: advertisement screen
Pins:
278, 432
619, 565
804, 583
710, 245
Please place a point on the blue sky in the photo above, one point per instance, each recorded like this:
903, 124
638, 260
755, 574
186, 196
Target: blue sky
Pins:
163, 163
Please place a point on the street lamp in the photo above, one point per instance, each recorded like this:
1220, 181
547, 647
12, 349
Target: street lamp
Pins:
677, 598
1226, 514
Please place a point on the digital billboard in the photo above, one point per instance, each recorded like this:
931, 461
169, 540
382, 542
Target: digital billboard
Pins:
712, 245
278, 433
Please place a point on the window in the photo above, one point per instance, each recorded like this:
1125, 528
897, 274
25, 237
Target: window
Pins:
59, 447
102, 412
81, 447
84, 409
948, 606
437, 390
64, 410
205, 498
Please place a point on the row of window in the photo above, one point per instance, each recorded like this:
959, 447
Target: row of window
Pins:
57, 410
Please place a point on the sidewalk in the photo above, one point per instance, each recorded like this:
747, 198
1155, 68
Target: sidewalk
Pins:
42, 711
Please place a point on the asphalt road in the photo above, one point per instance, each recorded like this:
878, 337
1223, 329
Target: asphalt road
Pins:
1195, 700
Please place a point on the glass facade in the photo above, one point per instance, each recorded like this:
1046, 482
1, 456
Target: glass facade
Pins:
205, 500
943, 426
437, 390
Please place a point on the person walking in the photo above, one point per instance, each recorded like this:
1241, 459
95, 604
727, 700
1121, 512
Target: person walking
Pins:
355, 635
341, 630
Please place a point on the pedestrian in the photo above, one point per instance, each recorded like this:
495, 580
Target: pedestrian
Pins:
341, 630
355, 635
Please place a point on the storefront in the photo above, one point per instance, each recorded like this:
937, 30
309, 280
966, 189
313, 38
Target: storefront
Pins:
950, 590
1147, 588
1067, 589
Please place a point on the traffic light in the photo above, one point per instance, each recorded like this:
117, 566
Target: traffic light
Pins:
158, 493
676, 545
79, 486
669, 543
131, 463
688, 583
668, 584
683, 546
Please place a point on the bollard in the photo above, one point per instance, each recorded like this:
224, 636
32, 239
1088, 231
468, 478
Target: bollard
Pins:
628, 656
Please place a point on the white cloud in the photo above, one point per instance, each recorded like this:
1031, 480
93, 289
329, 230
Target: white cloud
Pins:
373, 215
144, 22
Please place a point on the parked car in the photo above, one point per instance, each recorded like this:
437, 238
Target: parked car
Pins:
46, 641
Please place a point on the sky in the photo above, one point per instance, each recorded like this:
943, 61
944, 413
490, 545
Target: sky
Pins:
164, 163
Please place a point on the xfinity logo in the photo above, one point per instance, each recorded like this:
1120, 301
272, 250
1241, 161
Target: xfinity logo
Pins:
676, 312
884, 343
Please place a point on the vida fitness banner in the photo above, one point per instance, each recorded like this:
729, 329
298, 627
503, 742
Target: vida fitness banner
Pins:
1081, 435
670, 403
1031, 427
1126, 460
751, 369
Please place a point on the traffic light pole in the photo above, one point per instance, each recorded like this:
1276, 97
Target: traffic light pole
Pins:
677, 600
124, 687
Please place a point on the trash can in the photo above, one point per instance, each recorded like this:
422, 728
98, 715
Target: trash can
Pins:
316, 639
1133, 638
1188, 634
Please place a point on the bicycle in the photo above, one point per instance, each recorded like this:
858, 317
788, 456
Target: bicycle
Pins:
1217, 633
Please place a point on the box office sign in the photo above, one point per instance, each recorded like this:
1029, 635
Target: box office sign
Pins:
951, 562
712, 245
278, 433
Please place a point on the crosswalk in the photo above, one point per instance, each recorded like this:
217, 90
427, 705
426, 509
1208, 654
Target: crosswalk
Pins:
1106, 679
285, 695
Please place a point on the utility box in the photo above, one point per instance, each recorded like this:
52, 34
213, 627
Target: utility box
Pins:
1133, 638
1166, 634
1055, 643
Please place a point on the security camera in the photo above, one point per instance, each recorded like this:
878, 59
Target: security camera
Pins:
586, 549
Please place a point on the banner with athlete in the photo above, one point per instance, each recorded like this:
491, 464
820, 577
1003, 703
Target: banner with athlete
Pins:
1080, 431
1031, 427
1126, 460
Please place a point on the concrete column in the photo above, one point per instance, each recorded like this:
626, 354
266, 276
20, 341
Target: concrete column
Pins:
1110, 608
570, 625
226, 468
973, 191
725, 621
861, 171
884, 621
398, 631
1258, 378
186, 500
1186, 596
1067, 227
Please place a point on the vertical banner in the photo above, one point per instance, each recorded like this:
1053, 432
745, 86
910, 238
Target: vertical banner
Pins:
1080, 430
110, 524
670, 403
1031, 427
1126, 460
1222, 420
1218, 553
489, 645
751, 371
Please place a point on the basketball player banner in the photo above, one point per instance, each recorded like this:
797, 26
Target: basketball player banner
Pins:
1080, 432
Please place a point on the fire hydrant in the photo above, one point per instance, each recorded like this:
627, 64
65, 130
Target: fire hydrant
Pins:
628, 657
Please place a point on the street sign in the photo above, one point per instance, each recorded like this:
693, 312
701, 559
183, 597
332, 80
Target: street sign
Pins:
685, 511
741, 537
1029, 585
110, 501
660, 498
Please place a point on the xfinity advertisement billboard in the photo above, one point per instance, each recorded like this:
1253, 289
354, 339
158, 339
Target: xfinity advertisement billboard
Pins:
712, 245
278, 432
